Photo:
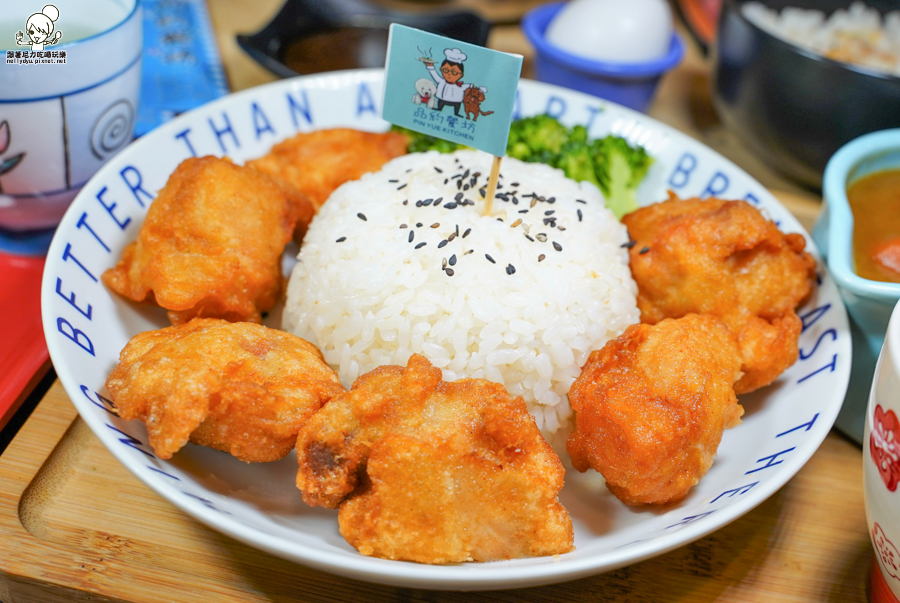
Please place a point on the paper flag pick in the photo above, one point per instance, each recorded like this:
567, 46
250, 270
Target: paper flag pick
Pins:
450, 89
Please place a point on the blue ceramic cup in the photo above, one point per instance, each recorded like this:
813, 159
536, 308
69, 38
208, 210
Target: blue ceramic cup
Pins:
869, 302
628, 84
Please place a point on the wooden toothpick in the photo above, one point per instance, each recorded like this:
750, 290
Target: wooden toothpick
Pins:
492, 186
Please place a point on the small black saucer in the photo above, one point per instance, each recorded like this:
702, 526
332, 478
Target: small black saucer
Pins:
313, 36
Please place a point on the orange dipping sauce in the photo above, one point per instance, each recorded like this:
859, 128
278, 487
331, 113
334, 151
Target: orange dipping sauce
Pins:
875, 203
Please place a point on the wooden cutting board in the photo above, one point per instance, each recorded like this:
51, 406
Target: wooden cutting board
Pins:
76, 526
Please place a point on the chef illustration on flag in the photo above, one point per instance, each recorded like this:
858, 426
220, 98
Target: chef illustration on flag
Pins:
450, 88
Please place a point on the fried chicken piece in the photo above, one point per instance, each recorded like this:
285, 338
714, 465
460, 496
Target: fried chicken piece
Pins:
651, 405
724, 258
211, 243
434, 472
318, 162
237, 387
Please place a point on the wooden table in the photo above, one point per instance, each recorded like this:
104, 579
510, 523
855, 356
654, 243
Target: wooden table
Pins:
76, 526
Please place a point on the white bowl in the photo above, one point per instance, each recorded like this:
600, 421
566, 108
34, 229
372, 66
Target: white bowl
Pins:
86, 327
66, 117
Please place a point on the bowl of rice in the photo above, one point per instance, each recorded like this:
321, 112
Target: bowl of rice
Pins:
798, 79
405, 261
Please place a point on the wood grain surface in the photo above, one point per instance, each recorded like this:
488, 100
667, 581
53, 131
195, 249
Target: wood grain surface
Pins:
77, 526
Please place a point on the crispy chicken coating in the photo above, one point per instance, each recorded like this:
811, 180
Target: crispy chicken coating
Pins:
237, 387
318, 162
434, 472
651, 406
724, 258
211, 243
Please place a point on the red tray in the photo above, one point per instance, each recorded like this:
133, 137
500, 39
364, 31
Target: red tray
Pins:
23, 352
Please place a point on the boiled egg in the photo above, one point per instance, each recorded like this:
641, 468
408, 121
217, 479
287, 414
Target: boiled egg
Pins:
615, 31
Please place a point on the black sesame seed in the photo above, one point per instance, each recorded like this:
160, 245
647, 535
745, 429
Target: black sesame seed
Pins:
406, 202
490, 259
482, 191
438, 170
402, 186
427, 202
453, 260
579, 215
449, 272
629, 244
420, 245
529, 238
418, 225
465, 234
515, 201
541, 257
523, 211
438, 201
557, 246
580, 201
412, 235
549, 212
456, 231
451, 205
409, 170
644, 250
419, 203
452, 236
514, 184
510, 269
465, 186
458, 196
442, 243
393, 181
341, 240
362, 216
551, 200
446, 180
404, 226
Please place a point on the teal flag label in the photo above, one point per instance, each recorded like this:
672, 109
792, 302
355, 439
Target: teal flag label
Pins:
449, 89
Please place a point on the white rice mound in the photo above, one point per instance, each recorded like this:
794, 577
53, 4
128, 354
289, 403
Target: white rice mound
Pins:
368, 296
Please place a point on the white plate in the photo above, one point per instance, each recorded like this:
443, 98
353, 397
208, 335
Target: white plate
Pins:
86, 327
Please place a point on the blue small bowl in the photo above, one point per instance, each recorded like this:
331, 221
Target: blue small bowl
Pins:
629, 84
869, 302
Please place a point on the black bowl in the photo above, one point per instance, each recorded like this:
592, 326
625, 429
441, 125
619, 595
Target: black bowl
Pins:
312, 36
794, 107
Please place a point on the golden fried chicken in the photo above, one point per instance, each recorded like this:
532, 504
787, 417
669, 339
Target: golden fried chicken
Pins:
434, 472
651, 405
318, 162
237, 387
211, 243
724, 258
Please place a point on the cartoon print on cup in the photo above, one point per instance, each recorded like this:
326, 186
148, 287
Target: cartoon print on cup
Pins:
6, 165
451, 89
890, 558
113, 129
40, 27
884, 446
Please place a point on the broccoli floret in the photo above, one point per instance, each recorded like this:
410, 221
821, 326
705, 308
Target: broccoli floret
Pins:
537, 138
620, 169
577, 162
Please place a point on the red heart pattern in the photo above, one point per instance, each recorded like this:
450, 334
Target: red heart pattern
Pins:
885, 447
